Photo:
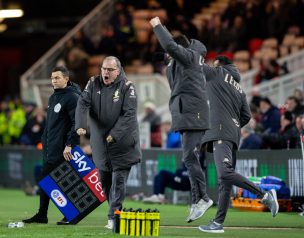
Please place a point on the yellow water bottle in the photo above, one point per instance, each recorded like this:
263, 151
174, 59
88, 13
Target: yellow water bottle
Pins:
156, 223
123, 222
132, 223
148, 222
140, 223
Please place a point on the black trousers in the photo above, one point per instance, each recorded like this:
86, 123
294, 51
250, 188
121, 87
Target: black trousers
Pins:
44, 198
225, 160
114, 186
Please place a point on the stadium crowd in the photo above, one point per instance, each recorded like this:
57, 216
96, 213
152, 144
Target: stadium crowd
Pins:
253, 33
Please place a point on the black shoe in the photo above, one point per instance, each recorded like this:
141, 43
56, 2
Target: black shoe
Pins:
64, 221
36, 219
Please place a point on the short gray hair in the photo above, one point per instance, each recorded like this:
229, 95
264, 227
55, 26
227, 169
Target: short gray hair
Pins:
116, 60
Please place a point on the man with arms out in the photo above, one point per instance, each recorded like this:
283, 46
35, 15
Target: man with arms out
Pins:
229, 113
59, 136
111, 102
189, 107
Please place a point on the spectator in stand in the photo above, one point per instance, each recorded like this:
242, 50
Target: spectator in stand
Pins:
255, 96
250, 140
83, 42
16, 122
125, 35
293, 105
299, 122
77, 62
269, 69
270, 119
217, 36
108, 44
235, 8
4, 114
298, 93
33, 129
238, 35
155, 124
287, 138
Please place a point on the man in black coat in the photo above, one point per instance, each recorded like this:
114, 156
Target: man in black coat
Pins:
229, 113
111, 102
189, 107
59, 136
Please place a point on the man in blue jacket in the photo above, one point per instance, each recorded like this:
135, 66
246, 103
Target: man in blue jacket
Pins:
59, 136
189, 107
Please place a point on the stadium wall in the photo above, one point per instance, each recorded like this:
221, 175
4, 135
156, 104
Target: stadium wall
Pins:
17, 166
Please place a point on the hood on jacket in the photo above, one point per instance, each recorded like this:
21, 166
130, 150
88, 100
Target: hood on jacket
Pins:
198, 47
232, 69
75, 87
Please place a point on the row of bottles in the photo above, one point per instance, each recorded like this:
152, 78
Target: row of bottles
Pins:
137, 222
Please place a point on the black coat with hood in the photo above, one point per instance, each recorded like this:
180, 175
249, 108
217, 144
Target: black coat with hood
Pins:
60, 124
188, 102
229, 110
112, 111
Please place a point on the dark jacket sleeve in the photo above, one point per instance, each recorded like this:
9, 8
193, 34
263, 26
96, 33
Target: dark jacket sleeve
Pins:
245, 113
72, 137
210, 72
83, 106
176, 51
128, 117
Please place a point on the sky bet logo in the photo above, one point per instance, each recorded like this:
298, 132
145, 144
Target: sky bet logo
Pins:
88, 172
58, 197
81, 163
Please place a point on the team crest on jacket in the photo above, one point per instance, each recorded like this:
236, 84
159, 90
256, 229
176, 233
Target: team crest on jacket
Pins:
57, 107
132, 93
116, 96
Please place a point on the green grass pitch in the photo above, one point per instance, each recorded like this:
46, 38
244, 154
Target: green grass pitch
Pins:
15, 206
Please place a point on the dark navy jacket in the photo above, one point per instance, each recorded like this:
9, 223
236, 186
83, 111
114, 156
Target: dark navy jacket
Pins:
60, 124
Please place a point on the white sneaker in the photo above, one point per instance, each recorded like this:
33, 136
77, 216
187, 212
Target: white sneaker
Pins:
198, 210
110, 224
190, 212
155, 199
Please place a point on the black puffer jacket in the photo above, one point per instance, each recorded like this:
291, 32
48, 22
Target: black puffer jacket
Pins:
60, 123
112, 111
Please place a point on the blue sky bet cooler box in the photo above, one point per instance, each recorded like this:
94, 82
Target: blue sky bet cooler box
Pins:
74, 187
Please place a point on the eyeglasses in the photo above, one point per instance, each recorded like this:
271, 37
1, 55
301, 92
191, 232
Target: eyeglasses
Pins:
108, 69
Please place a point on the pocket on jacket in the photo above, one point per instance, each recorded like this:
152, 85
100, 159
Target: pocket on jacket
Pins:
122, 146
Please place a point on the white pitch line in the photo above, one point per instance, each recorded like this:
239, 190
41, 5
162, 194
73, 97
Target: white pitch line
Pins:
239, 228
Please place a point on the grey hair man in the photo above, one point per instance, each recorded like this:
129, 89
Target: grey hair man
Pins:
111, 102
